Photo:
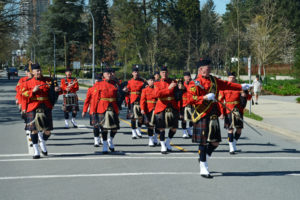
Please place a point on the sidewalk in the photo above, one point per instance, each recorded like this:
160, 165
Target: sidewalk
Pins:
280, 115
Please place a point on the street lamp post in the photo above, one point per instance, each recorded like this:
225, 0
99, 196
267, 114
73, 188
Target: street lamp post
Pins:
93, 58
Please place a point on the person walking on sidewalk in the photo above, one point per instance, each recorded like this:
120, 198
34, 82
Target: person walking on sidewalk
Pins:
257, 86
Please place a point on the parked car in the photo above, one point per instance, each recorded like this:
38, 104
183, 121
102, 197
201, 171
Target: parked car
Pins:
12, 72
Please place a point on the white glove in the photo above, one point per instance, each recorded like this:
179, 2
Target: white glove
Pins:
210, 96
246, 86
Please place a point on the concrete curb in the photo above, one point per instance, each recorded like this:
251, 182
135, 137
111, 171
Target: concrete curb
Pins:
275, 129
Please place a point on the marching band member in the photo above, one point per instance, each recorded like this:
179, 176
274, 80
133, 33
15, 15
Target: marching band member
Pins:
106, 109
186, 107
166, 110
39, 109
88, 106
69, 87
235, 102
134, 88
148, 101
204, 91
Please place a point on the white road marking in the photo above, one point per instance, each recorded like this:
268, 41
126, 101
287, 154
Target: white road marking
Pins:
96, 175
133, 156
294, 174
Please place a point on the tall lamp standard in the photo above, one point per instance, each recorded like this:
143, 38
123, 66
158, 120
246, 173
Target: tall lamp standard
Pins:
93, 59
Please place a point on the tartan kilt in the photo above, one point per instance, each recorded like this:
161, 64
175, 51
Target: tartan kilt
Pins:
94, 120
228, 124
160, 119
30, 119
70, 108
100, 118
201, 131
135, 111
149, 118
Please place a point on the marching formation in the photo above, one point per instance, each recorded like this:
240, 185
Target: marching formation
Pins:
158, 102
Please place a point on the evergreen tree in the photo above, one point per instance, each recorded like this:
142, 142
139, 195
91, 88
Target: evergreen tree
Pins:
63, 20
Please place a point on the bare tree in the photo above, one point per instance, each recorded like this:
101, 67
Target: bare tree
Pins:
271, 41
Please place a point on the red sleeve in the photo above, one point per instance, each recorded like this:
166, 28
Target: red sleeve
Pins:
221, 100
63, 85
87, 100
75, 86
143, 100
225, 85
159, 92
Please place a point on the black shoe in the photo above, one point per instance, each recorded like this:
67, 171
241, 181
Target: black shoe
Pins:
31, 145
105, 152
169, 150
112, 149
151, 145
96, 145
45, 153
164, 152
256, 103
75, 126
36, 157
208, 176
134, 138
232, 153
155, 144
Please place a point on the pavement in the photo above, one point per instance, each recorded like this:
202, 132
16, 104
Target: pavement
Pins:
265, 167
281, 114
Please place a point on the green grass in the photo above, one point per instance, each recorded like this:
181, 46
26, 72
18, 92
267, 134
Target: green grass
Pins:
282, 87
84, 85
298, 99
252, 115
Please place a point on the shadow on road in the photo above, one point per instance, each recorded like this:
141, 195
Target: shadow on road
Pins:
270, 173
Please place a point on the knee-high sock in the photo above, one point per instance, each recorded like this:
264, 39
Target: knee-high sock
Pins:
66, 115
162, 135
74, 114
113, 133
237, 136
183, 124
210, 149
34, 138
150, 131
96, 132
104, 135
202, 152
133, 124
171, 134
230, 137
46, 137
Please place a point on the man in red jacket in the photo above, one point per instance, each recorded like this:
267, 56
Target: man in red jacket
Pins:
186, 107
39, 109
148, 101
134, 88
106, 109
204, 91
89, 105
69, 87
235, 101
166, 109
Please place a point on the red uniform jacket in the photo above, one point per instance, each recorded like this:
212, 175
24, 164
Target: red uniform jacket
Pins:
148, 99
164, 95
198, 93
135, 89
65, 82
232, 99
88, 100
19, 89
34, 99
105, 94
186, 96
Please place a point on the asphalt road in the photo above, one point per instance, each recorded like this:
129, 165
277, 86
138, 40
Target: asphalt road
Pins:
266, 167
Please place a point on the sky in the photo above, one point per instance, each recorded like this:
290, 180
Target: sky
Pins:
220, 5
